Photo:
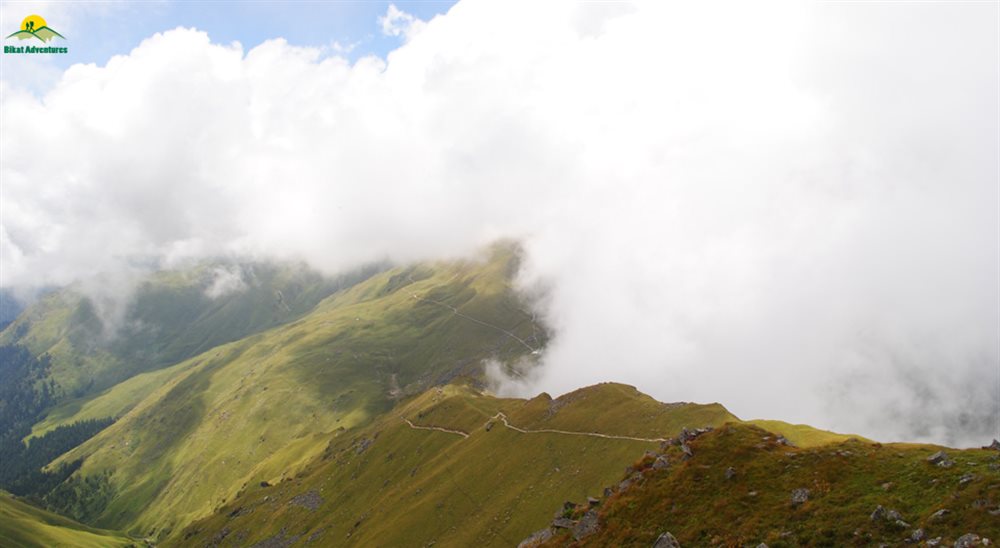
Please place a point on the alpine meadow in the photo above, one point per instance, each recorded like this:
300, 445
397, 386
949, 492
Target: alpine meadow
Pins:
486, 273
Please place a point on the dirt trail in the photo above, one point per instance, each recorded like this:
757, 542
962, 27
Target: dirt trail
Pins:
503, 419
438, 428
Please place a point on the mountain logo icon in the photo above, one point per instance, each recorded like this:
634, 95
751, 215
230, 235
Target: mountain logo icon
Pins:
34, 26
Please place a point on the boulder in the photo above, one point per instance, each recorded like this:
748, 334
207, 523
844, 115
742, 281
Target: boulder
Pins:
966, 479
688, 453
800, 496
661, 463
878, 514
588, 525
730, 473
893, 515
968, 540
995, 445
940, 459
563, 523
666, 540
536, 538
917, 535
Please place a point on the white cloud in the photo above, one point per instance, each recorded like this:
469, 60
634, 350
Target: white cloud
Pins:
224, 281
790, 209
397, 22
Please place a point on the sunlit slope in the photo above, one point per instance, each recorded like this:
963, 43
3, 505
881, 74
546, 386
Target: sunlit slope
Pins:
257, 408
461, 473
738, 488
170, 316
24, 526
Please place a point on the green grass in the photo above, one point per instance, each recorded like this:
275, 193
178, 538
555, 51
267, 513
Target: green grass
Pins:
262, 407
23, 525
695, 502
803, 435
413, 487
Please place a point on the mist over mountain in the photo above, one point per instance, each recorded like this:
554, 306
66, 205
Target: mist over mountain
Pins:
790, 209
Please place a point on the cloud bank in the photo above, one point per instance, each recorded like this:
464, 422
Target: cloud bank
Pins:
790, 209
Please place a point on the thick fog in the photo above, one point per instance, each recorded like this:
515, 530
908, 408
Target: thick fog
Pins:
791, 209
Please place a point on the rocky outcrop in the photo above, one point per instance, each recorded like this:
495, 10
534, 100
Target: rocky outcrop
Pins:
536, 538
588, 525
666, 540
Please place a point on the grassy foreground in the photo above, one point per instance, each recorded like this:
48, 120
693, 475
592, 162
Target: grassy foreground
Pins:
739, 490
25, 526
397, 484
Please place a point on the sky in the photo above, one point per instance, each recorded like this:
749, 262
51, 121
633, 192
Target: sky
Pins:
788, 208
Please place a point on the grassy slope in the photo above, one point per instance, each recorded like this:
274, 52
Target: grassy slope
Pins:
251, 409
22, 525
113, 402
169, 318
696, 503
413, 487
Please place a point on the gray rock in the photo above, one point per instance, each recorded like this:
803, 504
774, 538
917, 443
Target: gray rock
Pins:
893, 515
661, 463
588, 525
900, 524
688, 453
967, 540
966, 479
730, 473
940, 459
363, 446
563, 523
799, 496
536, 538
878, 514
933, 542
686, 435
666, 540
782, 440
309, 500
995, 445
592, 501
940, 514
917, 535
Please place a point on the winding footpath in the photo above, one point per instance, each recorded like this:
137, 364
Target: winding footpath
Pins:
437, 428
503, 419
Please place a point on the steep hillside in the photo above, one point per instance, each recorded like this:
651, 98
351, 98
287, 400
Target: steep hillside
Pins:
453, 467
263, 406
170, 316
744, 486
25, 526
